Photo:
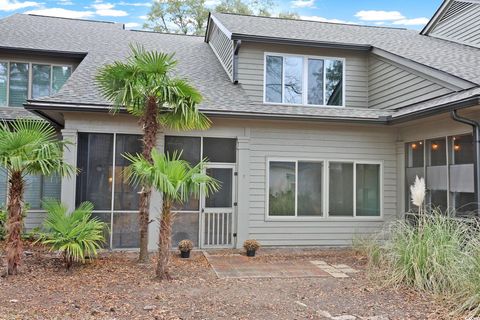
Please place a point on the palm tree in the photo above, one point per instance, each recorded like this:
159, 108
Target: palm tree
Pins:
145, 85
177, 181
27, 147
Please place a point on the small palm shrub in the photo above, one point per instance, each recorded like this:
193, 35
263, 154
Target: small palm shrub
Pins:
76, 235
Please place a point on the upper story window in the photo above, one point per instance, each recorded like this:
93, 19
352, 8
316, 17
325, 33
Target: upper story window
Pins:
20, 81
305, 80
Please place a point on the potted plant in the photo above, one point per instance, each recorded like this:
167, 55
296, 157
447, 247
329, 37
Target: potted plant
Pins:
251, 246
185, 246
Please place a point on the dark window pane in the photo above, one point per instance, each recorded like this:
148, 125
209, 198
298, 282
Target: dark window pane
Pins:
220, 150
60, 76
341, 189
334, 82
462, 149
273, 79
438, 199
3, 83
188, 146
40, 81
414, 154
125, 230
315, 81
223, 197
281, 189
95, 160
126, 195
464, 203
185, 226
293, 80
437, 152
310, 188
18, 91
368, 190
414, 167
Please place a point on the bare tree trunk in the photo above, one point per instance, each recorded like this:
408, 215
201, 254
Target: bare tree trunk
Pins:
150, 128
165, 240
14, 248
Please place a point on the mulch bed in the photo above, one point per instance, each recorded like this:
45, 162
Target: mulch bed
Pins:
116, 287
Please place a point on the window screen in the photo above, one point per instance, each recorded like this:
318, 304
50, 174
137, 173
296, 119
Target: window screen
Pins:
273, 79
188, 146
60, 76
281, 188
219, 149
368, 190
95, 160
309, 198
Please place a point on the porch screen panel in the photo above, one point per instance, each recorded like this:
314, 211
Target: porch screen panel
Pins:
95, 161
414, 161
220, 150
33, 191
436, 175
340, 189
18, 87
126, 195
462, 172
3, 83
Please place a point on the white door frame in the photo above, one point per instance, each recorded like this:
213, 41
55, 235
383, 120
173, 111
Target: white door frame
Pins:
220, 213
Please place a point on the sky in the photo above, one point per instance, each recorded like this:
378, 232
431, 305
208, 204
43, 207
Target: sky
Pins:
412, 14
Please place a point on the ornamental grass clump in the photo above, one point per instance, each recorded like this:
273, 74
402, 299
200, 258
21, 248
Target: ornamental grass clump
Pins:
432, 251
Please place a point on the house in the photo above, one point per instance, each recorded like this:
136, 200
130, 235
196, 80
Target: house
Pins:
318, 128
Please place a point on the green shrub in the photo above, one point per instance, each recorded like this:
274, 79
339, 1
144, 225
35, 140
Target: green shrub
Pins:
438, 254
75, 234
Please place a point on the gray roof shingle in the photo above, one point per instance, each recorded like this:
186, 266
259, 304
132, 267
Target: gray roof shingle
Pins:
106, 42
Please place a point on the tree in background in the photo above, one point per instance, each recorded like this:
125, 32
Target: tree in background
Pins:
191, 16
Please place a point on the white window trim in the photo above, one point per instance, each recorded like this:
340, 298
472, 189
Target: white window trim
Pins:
304, 79
30, 76
325, 194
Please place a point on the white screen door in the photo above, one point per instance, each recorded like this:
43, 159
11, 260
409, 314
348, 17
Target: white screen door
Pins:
218, 212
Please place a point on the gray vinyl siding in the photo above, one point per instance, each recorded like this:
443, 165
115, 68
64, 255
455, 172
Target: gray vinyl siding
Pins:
251, 68
222, 46
391, 86
322, 142
461, 23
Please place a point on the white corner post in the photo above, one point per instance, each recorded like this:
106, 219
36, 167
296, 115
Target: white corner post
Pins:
70, 157
243, 183
155, 207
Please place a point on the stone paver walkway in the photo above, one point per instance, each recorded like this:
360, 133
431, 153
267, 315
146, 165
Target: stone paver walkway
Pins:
239, 266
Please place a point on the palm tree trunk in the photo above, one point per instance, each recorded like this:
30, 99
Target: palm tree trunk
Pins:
14, 248
150, 126
165, 240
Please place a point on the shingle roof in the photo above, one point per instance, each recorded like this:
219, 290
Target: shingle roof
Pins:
456, 59
106, 42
